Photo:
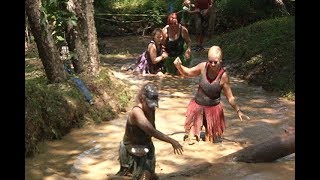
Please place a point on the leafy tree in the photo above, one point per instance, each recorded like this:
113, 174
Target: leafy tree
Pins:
64, 23
47, 49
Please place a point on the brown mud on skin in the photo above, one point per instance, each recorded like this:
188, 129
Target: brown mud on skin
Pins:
92, 152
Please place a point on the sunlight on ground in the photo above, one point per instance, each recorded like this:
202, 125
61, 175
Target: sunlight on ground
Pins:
91, 153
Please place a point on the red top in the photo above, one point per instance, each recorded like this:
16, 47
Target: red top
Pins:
202, 4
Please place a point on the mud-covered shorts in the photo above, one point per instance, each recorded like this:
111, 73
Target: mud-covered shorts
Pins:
134, 166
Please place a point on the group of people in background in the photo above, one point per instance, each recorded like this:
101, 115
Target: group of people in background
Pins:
169, 52
174, 41
167, 43
201, 13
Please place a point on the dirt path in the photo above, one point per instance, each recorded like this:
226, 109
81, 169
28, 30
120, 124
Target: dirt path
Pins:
92, 152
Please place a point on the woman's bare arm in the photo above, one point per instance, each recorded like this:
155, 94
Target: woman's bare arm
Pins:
153, 54
225, 81
187, 39
189, 72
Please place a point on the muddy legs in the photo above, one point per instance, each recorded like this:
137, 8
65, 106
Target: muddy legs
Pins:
191, 139
148, 176
213, 139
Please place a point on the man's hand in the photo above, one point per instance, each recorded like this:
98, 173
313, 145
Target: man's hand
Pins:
177, 147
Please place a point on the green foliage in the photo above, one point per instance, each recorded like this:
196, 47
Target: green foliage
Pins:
99, 115
119, 92
232, 14
263, 53
129, 6
235, 8
51, 110
56, 15
176, 5
124, 97
155, 15
32, 51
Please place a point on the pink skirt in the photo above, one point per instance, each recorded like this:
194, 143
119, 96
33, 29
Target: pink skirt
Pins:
214, 119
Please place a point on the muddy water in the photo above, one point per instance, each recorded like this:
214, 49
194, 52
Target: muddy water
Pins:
91, 153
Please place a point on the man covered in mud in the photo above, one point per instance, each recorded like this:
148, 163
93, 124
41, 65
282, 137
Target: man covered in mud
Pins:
137, 152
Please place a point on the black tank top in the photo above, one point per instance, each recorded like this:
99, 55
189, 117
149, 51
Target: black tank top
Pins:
159, 50
175, 47
155, 68
134, 135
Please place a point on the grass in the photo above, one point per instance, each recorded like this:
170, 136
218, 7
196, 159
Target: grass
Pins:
52, 110
263, 53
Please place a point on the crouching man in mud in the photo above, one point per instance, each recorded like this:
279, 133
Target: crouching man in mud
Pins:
136, 152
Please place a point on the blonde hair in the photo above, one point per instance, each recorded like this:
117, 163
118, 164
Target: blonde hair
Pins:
215, 52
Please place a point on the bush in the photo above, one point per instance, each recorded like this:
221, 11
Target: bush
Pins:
263, 53
52, 110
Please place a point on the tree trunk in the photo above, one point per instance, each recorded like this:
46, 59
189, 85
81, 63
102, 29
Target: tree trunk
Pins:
85, 13
269, 150
77, 47
92, 38
47, 49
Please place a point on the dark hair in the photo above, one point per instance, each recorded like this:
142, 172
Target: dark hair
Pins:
146, 89
169, 17
154, 32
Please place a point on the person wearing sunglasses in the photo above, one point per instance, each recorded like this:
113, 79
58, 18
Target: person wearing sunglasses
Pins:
205, 108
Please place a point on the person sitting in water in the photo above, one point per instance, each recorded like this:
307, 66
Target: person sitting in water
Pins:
151, 61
